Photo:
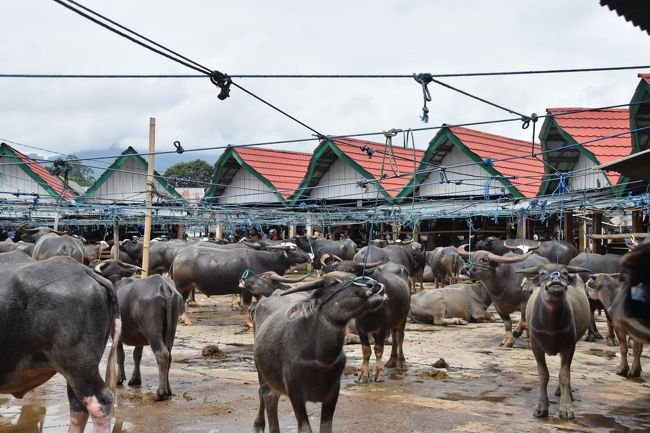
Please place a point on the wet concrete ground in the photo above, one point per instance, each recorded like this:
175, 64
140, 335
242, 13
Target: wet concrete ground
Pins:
485, 389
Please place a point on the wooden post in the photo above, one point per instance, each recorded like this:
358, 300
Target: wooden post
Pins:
181, 232
568, 227
582, 232
149, 198
521, 228
56, 221
292, 231
116, 239
637, 221
596, 229
218, 232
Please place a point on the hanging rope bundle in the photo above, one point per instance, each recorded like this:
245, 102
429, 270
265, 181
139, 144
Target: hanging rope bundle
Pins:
424, 79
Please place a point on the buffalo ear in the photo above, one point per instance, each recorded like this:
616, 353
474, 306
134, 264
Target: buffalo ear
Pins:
297, 311
529, 272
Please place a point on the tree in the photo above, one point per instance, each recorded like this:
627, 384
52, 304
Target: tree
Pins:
77, 172
193, 174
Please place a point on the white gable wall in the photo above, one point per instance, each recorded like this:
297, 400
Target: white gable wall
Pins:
246, 188
340, 182
13, 179
472, 174
586, 180
128, 183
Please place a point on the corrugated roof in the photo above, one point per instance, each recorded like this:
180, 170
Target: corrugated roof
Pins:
398, 168
283, 169
635, 11
586, 126
42, 176
524, 171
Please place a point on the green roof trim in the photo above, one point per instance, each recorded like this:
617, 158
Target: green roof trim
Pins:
641, 94
549, 124
129, 153
324, 146
231, 153
445, 134
7, 151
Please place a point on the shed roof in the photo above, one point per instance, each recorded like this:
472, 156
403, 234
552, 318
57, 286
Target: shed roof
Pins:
369, 159
640, 114
634, 11
37, 172
113, 169
281, 170
591, 132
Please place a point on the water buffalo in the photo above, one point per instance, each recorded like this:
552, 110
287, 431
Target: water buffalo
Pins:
130, 251
299, 345
7, 246
162, 254
456, 304
345, 249
42, 333
445, 264
606, 288
93, 252
635, 296
150, 310
503, 284
411, 256
602, 263
15, 256
34, 234
52, 244
558, 315
555, 251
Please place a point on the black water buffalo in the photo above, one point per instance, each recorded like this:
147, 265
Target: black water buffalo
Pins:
411, 256
34, 234
602, 263
606, 288
52, 244
42, 332
558, 315
503, 284
635, 293
345, 249
331, 263
150, 310
445, 264
299, 345
162, 254
93, 252
15, 256
555, 251
130, 251
456, 304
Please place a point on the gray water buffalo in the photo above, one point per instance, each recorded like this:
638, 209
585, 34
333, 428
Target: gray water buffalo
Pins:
411, 256
503, 284
635, 293
7, 246
34, 234
42, 333
601, 263
162, 254
345, 249
607, 289
93, 252
130, 251
445, 264
299, 345
558, 315
15, 256
52, 244
456, 304
555, 251
150, 310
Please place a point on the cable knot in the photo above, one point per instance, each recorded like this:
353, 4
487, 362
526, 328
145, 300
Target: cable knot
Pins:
526, 120
488, 162
562, 184
222, 81
369, 150
179, 148
424, 79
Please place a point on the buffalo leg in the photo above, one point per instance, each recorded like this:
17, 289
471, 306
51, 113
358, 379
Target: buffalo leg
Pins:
610, 340
509, 339
121, 374
163, 359
541, 410
78, 414
191, 300
637, 348
271, 399
397, 358
366, 351
624, 367
136, 379
566, 405
300, 410
327, 410
97, 401
379, 353
260, 423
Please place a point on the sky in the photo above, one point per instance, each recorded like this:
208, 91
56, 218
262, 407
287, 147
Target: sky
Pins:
103, 117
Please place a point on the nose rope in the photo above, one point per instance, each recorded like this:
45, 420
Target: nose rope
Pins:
367, 282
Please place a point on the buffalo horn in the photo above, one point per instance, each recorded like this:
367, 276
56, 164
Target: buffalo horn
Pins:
282, 279
508, 259
576, 269
24, 229
305, 287
461, 251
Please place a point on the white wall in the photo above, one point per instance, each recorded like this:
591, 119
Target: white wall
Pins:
246, 188
582, 180
340, 182
128, 183
14, 179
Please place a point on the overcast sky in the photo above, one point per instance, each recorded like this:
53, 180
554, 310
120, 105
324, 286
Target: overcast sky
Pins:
300, 37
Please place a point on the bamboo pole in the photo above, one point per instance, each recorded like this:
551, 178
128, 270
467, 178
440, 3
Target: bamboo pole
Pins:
116, 239
149, 198
621, 236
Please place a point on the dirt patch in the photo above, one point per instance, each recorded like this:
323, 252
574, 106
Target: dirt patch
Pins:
483, 388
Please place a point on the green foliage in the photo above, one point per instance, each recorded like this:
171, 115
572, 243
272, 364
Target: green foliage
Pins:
77, 172
192, 174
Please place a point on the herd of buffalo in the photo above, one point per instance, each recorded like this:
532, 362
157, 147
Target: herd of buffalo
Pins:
60, 303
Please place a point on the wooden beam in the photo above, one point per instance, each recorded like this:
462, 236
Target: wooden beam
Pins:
621, 236
596, 229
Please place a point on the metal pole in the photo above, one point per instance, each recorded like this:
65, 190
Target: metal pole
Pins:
149, 198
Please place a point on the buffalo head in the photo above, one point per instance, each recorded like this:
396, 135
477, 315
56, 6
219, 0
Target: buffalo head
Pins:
481, 263
553, 280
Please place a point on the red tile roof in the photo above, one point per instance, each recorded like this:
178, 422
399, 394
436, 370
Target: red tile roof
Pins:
645, 77
399, 170
43, 174
525, 170
587, 126
284, 169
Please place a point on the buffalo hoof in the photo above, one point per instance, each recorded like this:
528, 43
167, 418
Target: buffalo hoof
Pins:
517, 333
363, 379
635, 372
162, 396
135, 382
540, 413
507, 343
391, 363
567, 414
379, 378
191, 304
611, 342
623, 371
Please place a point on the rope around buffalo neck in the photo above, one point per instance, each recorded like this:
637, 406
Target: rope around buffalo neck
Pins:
367, 282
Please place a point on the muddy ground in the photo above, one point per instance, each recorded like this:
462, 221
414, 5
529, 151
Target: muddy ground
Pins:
485, 389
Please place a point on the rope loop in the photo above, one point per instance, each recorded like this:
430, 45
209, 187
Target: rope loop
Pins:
527, 119
424, 79
222, 81
562, 184
179, 148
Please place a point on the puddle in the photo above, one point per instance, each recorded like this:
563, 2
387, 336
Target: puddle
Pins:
454, 396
